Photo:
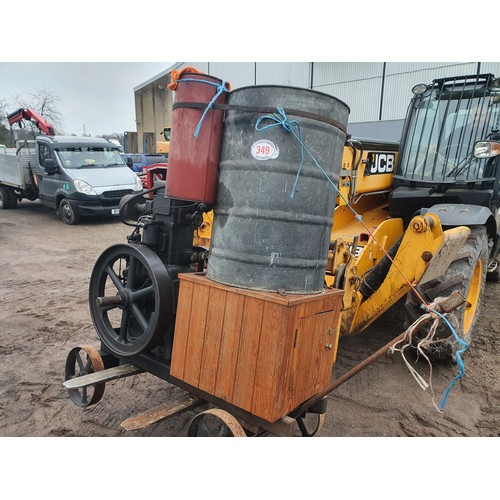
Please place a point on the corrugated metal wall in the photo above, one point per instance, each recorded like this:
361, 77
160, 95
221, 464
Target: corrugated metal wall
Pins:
401, 77
373, 91
357, 84
279, 73
238, 74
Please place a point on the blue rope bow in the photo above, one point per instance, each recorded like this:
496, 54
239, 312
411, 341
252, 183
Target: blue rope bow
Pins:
293, 127
220, 89
458, 354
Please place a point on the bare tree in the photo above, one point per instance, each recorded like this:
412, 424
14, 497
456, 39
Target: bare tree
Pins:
45, 102
4, 135
3, 110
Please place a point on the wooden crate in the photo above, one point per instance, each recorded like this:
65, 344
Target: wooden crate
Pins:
263, 352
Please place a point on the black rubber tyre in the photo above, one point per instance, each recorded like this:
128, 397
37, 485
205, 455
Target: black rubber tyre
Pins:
131, 299
493, 273
13, 198
467, 274
7, 198
67, 212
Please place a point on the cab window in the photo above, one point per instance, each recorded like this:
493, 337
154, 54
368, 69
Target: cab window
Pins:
44, 153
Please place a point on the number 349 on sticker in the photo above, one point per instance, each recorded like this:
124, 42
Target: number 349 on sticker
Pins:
264, 150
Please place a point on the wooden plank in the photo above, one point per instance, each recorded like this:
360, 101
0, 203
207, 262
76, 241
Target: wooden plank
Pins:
248, 353
287, 366
315, 366
270, 357
181, 331
326, 302
332, 337
159, 413
323, 359
212, 342
194, 348
285, 299
102, 376
230, 339
291, 380
305, 366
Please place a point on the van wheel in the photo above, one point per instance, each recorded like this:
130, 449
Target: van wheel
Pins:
7, 198
493, 271
467, 274
67, 213
13, 198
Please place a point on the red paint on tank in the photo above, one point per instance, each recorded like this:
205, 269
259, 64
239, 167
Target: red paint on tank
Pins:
193, 161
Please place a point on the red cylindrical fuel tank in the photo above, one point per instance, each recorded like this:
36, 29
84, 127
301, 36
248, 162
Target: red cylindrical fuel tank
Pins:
193, 161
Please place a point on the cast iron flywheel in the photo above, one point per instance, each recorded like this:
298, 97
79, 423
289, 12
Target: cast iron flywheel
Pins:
130, 298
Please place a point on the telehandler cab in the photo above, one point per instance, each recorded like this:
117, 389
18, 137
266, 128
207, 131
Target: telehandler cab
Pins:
446, 181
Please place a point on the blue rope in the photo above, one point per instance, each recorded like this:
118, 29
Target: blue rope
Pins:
220, 89
458, 354
280, 118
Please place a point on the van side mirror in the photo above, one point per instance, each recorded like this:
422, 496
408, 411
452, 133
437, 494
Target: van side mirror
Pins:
130, 163
50, 166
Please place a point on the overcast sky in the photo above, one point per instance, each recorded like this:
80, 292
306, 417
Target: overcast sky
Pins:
99, 96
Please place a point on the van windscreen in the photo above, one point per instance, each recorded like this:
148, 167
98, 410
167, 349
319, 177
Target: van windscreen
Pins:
88, 157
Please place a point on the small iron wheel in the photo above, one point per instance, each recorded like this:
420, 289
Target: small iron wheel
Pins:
310, 423
83, 360
130, 298
215, 423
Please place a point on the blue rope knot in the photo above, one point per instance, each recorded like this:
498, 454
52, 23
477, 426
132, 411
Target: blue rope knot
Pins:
220, 88
458, 354
279, 118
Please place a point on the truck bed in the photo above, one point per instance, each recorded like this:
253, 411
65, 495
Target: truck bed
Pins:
15, 169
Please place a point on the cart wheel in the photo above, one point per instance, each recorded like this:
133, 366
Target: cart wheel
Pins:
83, 360
215, 423
310, 423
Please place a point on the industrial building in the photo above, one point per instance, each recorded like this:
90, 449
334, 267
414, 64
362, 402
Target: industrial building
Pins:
377, 93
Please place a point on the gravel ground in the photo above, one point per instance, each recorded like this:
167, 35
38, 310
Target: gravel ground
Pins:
45, 269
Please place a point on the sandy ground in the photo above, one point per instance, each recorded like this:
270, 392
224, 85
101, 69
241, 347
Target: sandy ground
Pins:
45, 269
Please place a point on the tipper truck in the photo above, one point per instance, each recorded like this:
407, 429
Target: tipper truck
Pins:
77, 176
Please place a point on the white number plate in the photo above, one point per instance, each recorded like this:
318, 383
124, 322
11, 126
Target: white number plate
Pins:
115, 211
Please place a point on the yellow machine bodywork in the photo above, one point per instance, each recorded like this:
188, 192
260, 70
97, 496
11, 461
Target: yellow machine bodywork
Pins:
357, 246
163, 146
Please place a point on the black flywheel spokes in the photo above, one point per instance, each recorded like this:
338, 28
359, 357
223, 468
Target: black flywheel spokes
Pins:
130, 297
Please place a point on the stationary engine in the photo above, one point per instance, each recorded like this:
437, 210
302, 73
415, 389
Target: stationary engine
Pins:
133, 287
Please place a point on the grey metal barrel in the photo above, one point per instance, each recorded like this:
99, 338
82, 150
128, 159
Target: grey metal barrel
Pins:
262, 238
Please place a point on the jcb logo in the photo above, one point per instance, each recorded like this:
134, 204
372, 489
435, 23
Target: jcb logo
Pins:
380, 163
